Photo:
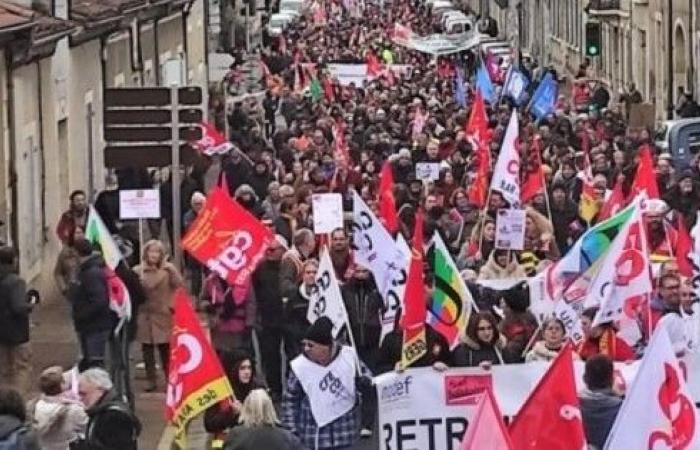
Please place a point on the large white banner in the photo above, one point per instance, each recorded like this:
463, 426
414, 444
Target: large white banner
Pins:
375, 249
425, 409
357, 73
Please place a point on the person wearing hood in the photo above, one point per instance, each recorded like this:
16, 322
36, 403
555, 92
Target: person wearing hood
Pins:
57, 417
235, 169
599, 402
246, 196
364, 305
564, 212
13, 417
260, 179
160, 279
481, 344
89, 298
501, 265
223, 416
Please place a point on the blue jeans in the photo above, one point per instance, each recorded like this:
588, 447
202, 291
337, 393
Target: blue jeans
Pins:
93, 346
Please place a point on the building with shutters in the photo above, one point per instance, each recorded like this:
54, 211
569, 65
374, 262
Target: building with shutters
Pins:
652, 43
58, 56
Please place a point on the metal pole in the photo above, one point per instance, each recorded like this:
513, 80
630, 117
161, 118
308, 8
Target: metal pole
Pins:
175, 176
247, 27
669, 49
91, 155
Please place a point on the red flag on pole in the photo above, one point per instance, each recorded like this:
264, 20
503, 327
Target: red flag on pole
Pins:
645, 178
613, 204
212, 142
550, 419
684, 248
196, 380
413, 318
374, 67
477, 132
387, 203
227, 239
533, 181
486, 430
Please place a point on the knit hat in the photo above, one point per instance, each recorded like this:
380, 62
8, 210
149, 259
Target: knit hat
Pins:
321, 332
517, 297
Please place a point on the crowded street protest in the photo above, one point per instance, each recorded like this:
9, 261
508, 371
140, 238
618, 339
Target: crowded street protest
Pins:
411, 234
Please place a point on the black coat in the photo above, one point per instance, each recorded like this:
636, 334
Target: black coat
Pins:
471, 355
390, 350
89, 297
265, 437
111, 425
364, 305
14, 308
266, 284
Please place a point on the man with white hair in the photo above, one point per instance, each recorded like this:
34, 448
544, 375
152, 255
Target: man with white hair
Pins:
197, 202
111, 425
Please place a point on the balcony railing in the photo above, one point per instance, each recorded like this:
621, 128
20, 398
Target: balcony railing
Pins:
604, 5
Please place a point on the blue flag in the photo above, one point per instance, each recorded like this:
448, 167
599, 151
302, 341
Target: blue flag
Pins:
516, 85
460, 95
483, 83
545, 97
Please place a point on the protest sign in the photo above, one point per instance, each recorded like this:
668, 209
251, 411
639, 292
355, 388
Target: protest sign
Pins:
510, 229
347, 74
327, 212
427, 171
326, 299
139, 204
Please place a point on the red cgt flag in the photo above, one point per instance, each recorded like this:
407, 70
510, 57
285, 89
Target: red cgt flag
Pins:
227, 239
196, 379
413, 318
550, 419
614, 203
387, 203
212, 142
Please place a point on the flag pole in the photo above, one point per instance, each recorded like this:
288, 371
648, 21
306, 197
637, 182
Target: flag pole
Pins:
484, 213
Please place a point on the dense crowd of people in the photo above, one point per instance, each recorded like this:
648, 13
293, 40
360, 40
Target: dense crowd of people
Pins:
293, 144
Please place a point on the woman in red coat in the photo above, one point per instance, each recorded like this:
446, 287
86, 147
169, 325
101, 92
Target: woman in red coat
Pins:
602, 339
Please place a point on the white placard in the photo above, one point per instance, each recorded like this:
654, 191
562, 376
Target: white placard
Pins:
139, 204
428, 171
327, 212
510, 229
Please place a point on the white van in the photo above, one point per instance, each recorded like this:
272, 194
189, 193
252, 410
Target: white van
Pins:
278, 22
294, 6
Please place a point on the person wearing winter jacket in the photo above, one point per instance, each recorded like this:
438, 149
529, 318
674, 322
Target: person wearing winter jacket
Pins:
260, 428
295, 309
220, 418
89, 298
501, 265
553, 340
599, 403
57, 417
13, 417
518, 324
364, 305
602, 339
481, 345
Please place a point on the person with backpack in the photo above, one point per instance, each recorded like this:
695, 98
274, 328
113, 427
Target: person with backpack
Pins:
112, 425
15, 351
89, 297
14, 434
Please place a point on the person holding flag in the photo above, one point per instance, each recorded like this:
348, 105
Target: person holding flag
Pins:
321, 402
